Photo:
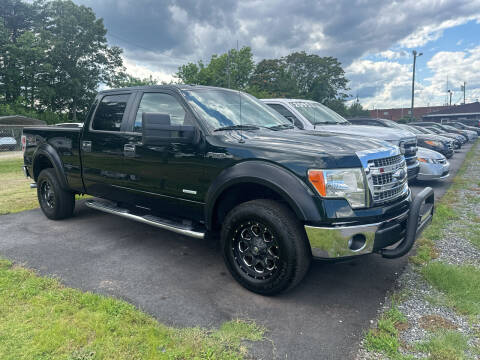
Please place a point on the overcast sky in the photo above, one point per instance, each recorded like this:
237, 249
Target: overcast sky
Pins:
373, 40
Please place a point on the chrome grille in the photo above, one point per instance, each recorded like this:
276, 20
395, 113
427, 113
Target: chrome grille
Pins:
388, 161
384, 186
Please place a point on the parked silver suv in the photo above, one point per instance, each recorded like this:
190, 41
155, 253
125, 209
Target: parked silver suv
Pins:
311, 115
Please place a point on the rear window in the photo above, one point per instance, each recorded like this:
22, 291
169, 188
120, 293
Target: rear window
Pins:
109, 114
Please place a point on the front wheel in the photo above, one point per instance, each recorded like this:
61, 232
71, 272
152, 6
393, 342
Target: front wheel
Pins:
265, 247
55, 202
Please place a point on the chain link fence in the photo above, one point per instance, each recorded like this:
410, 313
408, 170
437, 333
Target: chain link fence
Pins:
10, 138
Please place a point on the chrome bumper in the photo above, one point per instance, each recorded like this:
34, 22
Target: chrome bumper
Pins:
347, 241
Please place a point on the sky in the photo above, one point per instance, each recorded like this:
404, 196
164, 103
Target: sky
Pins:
372, 39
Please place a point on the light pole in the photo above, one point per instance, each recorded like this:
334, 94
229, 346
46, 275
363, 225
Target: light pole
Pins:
414, 52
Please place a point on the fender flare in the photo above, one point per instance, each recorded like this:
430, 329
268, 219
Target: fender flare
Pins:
290, 188
51, 154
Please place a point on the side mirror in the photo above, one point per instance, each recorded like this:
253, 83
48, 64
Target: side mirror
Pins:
157, 130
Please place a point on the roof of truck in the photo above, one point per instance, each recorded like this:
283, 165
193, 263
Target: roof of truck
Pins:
169, 86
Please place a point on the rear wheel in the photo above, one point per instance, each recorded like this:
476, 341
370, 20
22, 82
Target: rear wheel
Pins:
55, 202
265, 247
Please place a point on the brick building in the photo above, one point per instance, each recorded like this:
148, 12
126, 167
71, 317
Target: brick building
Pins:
397, 114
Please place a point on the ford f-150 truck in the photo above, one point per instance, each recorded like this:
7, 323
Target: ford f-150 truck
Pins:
200, 160
311, 115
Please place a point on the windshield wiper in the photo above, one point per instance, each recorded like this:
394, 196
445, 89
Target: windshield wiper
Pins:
281, 126
237, 127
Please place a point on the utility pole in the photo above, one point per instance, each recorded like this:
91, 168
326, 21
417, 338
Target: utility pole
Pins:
414, 52
463, 88
450, 93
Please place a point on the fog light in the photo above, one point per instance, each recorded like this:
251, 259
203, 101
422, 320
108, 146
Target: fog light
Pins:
357, 242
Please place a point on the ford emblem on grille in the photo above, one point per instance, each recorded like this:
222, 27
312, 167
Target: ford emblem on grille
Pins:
399, 174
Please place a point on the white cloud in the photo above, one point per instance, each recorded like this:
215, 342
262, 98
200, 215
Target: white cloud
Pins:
378, 83
432, 32
143, 71
391, 55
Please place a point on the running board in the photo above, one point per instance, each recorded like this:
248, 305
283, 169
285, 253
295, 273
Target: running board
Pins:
165, 224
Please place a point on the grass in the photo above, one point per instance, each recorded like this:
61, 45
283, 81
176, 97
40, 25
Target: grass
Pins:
460, 284
445, 345
384, 339
15, 193
41, 319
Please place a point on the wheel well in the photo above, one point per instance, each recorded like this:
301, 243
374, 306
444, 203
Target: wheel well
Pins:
238, 194
41, 162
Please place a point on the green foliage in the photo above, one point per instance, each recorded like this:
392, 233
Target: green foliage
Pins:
232, 69
356, 110
445, 345
460, 284
53, 55
384, 339
122, 79
41, 319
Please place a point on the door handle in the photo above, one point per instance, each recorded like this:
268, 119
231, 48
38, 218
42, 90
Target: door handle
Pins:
87, 146
129, 149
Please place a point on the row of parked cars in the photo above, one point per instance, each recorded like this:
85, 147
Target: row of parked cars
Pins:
427, 145
278, 182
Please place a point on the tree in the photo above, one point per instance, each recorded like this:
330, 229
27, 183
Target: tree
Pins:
232, 69
79, 56
271, 79
122, 79
300, 75
356, 110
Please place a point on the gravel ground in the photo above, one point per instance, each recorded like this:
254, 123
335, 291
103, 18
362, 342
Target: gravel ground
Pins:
422, 303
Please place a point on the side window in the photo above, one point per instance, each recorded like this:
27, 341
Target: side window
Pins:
160, 103
287, 114
109, 114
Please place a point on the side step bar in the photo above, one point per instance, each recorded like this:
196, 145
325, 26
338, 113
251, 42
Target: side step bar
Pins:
146, 219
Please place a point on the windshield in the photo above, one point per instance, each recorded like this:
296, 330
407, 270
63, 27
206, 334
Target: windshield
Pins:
410, 128
434, 130
449, 127
317, 113
229, 109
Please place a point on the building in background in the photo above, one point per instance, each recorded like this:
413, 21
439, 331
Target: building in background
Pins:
401, 113
457, 112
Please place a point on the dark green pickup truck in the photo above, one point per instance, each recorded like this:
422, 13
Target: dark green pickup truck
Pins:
201, 160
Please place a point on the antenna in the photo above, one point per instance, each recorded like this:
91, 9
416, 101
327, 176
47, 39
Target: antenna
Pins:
240, 107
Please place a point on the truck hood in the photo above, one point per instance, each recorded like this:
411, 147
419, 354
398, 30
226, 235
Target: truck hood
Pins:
376, 132
314, 147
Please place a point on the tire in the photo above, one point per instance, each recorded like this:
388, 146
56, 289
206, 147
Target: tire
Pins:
265, 247
55, 202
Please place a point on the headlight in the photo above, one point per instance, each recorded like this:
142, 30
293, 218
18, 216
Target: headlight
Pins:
400, 144
340, 183
434, 143
425, 160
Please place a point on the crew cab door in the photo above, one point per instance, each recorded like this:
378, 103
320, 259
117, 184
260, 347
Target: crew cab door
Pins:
166, 177
102, 146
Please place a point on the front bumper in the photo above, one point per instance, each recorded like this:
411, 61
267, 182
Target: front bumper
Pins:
336, 242
433, 171
412, 170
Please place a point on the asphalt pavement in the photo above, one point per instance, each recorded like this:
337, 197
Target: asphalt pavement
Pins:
183, 282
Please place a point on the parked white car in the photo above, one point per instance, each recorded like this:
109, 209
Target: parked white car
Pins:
433, 165
7, 143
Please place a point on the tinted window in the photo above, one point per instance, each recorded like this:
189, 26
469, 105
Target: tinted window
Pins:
285, 112
109, 113
163, 104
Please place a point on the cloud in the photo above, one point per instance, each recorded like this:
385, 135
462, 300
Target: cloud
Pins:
379, 82
432, 32
190, 29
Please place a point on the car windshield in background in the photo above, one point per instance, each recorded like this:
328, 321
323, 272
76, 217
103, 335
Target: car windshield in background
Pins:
411, 129
227, 109
318, 114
